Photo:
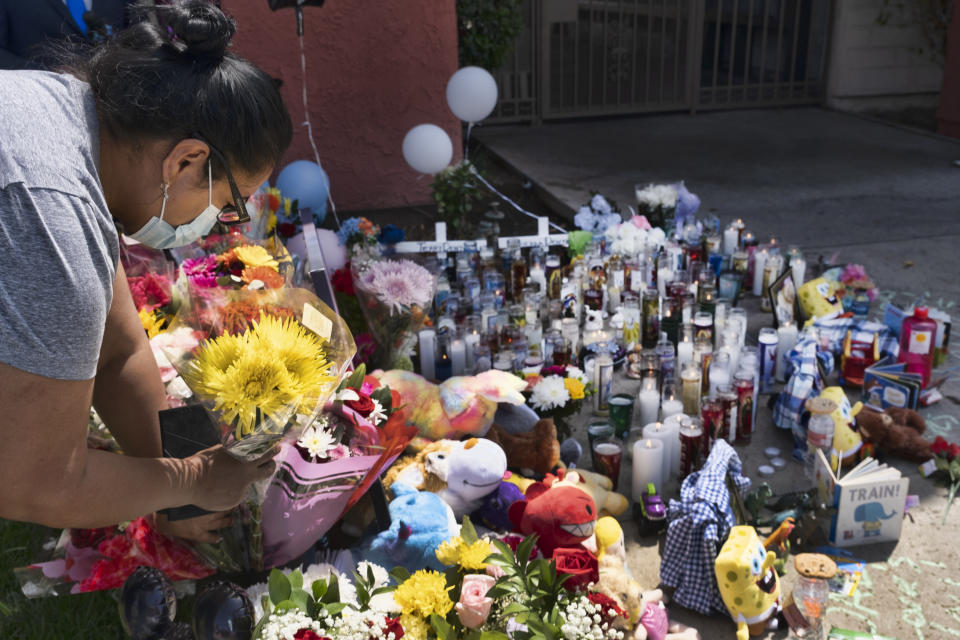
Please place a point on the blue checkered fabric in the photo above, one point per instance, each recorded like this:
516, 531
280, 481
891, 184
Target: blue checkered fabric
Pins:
833, 331
699, 523
803, 380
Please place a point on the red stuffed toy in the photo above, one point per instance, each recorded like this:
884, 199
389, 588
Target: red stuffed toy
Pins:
561, 515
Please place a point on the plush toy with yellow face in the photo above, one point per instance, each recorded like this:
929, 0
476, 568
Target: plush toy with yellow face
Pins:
748, 584
846, 440
819, 298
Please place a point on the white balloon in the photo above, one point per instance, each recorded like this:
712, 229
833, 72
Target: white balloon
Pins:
472, 94
427, 148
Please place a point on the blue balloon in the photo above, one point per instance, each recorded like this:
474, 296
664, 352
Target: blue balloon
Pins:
308, 184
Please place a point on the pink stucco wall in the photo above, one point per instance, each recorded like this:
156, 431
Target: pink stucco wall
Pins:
375, 68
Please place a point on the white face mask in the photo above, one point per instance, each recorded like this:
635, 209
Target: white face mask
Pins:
161, 235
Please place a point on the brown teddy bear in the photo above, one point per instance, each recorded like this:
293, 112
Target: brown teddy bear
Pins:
537, 449
897, 431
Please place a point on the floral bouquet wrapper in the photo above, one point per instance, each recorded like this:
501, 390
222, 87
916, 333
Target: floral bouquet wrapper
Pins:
150, 277
306, 498
394, 295
266, 364
87, 560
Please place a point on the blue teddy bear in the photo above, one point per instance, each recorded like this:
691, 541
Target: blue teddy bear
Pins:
419, 522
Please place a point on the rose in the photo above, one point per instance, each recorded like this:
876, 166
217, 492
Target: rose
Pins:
940, 445
474, 605
308, 634
287, 229
954, 452
363, 405
579, 564
342, 281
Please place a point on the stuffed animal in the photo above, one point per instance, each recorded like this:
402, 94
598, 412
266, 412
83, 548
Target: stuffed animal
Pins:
599, 486
493, 512
537, 450
562, 515
818, 298
748, 584
462, 473
646, 615
897, 431
846, 438
419, 522
462, 405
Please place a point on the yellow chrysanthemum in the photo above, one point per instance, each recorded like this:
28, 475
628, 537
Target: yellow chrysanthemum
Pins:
152, 322
268, 372
472, 556
413, 627
448, 552
574, 388
255, 256
423, 594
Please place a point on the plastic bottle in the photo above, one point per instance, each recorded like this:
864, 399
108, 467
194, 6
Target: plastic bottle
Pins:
917, 338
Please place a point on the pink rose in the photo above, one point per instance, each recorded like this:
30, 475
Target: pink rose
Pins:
640, 222
474, 605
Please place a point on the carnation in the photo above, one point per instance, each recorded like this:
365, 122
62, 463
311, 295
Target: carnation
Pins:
398, 284
549, 393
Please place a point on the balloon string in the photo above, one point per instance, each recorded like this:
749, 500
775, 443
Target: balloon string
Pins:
511, 202
466, 143
306, 123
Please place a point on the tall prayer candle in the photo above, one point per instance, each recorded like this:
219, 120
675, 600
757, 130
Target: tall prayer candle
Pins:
427, 353
648, 463
759, 263
649, 400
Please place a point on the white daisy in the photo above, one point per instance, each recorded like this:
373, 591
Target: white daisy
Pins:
549, 393
577, 372
317, 441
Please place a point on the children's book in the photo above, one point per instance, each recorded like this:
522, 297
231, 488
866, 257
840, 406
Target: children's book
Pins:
869, 499
888, 384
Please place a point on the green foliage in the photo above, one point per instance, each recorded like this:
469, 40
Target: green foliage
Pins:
487, 30
287, 592
456, 190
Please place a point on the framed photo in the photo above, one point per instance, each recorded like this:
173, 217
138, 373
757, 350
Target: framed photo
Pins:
784, 301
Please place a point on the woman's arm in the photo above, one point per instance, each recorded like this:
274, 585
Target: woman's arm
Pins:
128, 392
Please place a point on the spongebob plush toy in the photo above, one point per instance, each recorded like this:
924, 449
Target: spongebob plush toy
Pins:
748, 583
818, 298
847, 441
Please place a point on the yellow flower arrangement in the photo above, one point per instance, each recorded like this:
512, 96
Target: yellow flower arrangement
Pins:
574, 388
152, 322
414, 627
422, 594
456, 551
255, 256
269, 371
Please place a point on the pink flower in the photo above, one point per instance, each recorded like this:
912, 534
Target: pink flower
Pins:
640, 222
474, 605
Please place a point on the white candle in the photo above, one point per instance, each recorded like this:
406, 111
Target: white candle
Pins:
672, 426
671, 406
647, 467
786, 341
719, 323
759, 262
658, 431
649, 399
719, 377
664, 276
458, 357
684, 353
428, 353
731, 237
471, 340
799, 268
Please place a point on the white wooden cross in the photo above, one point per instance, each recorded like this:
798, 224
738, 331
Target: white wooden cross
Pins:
440, 245
543, 238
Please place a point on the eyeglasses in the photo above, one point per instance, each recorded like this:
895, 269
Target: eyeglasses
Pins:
235, 213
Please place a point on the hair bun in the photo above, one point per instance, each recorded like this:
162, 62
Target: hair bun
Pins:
197, 27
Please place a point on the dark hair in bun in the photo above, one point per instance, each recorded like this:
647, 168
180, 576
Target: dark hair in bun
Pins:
171, 76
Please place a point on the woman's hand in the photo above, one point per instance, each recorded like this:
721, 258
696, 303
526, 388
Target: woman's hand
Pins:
220, 481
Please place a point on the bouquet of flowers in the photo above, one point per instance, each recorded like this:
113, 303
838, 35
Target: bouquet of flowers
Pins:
492, 590
657, 202
854, 284
598, 215
632, 237
95, 559
394, 295
337, 458
947, 461
557, 392
150, 277
232, 261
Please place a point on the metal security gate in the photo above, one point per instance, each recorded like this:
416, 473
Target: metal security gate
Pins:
603, 57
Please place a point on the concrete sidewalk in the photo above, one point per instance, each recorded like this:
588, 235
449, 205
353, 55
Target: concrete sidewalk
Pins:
847, 188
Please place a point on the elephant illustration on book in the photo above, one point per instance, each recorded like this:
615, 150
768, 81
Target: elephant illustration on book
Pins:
870, 514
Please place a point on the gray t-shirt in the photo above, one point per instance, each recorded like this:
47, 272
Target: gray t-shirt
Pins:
58, 244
